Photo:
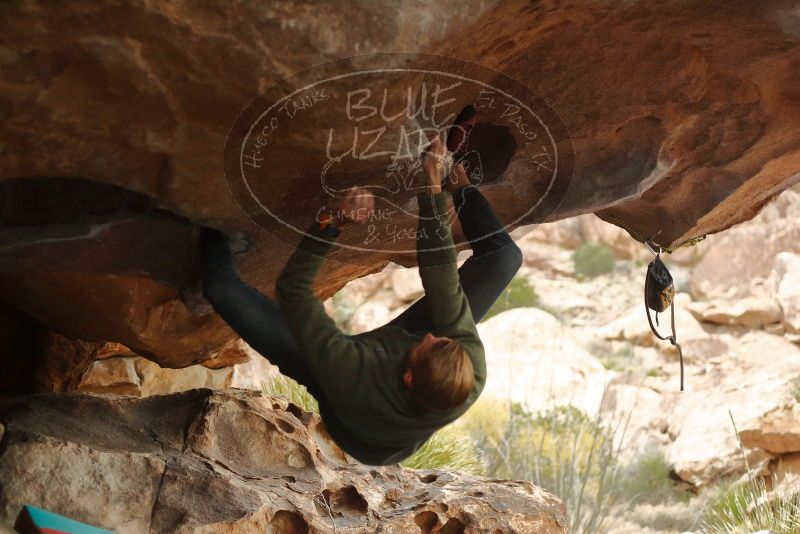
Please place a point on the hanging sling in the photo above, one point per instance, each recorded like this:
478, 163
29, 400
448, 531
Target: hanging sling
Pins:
658, 286
659, 292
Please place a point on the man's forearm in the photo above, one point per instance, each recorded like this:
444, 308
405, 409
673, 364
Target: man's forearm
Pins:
296, 280
435, 245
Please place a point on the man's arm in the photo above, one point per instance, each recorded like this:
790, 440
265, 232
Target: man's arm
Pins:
436, 255
448, 305
334, 358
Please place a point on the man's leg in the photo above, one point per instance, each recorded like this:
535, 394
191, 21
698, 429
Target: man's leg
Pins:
258, 320
485, 274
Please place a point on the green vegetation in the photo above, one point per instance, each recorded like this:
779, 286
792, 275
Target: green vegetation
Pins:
795, 389
619, 359
593, 259
448, 448
561, 450
647, 480
285, 387
343, 310
518, 294
749, 507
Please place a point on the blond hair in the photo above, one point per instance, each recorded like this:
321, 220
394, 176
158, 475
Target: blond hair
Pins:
443, 375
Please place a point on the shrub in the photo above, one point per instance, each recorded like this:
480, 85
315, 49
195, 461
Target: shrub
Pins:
673, 517
282, 386
795, 389
343, 311
647, 480
593, 259
448, 448
620, 360
518, 294
561, 450
749, 507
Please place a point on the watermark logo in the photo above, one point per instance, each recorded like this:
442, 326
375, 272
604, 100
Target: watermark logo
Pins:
366, 122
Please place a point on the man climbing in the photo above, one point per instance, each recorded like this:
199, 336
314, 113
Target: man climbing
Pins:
382, 393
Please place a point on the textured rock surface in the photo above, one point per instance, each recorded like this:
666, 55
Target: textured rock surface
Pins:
536, 361
787, 280
684, 120
728, 267
633, 327
738, 355
752, 312
137, 376
233, 461
777, 432
704, 446
35, 358
668, 105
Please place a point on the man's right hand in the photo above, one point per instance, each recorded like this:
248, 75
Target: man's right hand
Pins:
434, 164
457, 179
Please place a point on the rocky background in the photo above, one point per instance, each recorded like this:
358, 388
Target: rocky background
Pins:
684, 119
586, 343
683, 116
234, 461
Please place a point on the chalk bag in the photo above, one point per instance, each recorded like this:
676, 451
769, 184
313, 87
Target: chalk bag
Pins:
659, 292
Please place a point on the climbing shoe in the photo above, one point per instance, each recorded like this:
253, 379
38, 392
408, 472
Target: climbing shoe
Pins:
458, 133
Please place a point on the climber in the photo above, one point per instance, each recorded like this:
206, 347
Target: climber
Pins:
382, 393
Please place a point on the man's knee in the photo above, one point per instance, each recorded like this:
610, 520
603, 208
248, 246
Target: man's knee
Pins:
510, 259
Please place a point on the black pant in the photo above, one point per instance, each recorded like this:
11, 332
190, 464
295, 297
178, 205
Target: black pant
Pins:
261, 323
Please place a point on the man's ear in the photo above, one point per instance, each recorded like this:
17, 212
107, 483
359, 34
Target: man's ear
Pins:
408, 378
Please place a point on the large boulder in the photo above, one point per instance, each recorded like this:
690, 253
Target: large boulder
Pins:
684, 120
787, 281
752, 312
777, 431
741, 386
632, 326
638, 414
233, 461
137, 376
729, 268
535, 360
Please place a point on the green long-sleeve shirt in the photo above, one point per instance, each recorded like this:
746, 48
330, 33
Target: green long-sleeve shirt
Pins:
366, 407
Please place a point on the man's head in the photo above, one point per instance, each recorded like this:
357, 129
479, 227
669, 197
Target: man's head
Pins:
439, 373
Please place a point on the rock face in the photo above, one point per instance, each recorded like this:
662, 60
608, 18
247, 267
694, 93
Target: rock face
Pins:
535, 361
684, 120
728, 268
233, 461
591, 345
751, 312
573, 232
705, 446
787, 280
137, 376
